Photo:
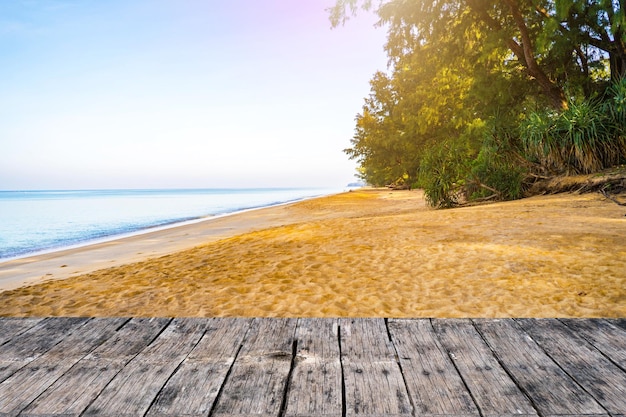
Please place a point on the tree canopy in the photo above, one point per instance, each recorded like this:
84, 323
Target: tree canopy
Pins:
480, 95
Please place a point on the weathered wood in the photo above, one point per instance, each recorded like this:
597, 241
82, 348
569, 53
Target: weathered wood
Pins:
194, 387
288, 367
592, 370
552, 391
130, 340
11, 327
431, 378
72, 393
40, 338
19, 390
34, 342
135, 387
259, 377
374, 384
604, 336
492, 389
619, 322
315, 388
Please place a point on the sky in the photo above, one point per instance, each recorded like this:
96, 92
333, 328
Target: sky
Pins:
180, 93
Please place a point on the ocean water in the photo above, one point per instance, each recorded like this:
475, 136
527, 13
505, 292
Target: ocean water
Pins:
41, 221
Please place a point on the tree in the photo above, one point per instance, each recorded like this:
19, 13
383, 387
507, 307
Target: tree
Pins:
551, 41
419, 104
471, 83
598, 24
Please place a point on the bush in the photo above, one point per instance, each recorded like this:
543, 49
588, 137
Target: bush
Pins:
442, 169
495, 174
586, 137
479, 165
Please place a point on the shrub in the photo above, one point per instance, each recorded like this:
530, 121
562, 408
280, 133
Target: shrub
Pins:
586, 137
442, 170
496, 173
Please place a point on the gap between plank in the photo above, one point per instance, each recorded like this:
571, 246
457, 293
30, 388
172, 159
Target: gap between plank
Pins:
595, 347
450, 356
343, 377
294, 351
570, 376
397, 357
506, 370
230, 370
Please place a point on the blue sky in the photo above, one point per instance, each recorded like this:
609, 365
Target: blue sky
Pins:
180, 93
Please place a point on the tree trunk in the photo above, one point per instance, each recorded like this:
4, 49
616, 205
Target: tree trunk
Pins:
617, 60
550, 89
524, 51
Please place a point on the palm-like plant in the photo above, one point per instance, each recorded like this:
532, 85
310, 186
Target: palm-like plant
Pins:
586, 137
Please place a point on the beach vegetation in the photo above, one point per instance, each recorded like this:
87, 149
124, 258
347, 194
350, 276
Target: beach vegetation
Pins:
481, 98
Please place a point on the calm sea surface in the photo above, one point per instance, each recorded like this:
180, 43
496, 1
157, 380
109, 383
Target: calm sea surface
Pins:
39, 221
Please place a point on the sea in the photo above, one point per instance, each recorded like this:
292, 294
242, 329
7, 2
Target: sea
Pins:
34, 222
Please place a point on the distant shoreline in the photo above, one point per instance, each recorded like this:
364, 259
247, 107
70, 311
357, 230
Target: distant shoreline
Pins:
117, 250
111, 235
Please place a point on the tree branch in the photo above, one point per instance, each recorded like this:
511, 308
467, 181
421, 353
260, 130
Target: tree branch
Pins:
550, 88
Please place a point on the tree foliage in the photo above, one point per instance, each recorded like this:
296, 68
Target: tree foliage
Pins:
481, 92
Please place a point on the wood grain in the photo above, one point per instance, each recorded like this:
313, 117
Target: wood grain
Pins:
310, 367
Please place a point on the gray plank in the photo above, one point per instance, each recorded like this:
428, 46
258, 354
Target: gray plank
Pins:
72, 393
11, 327
40, 338
431, 378
495, 393
619, 322
130, 340
19, 390
135, 387
374, 384
551, 390
604, 335
315, 388
34, 342
598, 375
258, 379
192, 390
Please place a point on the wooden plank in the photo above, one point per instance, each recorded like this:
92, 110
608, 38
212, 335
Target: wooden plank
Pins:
72, 393
619, 322
431, 378
135, 387
11, 327
258, 379
34, 342
492, 389
19, 390
550, 389
62, 366
598, 375
192, 390
40, 338
133, 338
374, 383
315, 388
604, 335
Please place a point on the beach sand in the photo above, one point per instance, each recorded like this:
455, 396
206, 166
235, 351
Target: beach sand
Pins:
367, 253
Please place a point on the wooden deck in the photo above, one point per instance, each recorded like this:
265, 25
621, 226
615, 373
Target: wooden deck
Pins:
312, 367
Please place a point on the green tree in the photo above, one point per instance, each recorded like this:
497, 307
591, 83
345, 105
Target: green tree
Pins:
471, 85
550, 42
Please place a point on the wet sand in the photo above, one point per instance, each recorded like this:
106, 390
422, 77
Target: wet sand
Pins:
369, 253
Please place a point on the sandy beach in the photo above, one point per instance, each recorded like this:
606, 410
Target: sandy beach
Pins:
368, 253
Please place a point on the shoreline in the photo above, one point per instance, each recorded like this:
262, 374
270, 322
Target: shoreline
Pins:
149, 229
366, 253
115, 251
